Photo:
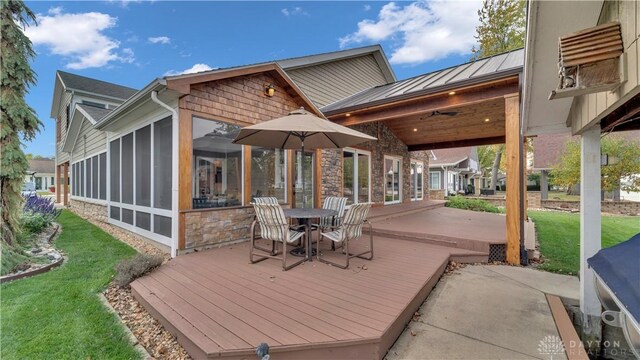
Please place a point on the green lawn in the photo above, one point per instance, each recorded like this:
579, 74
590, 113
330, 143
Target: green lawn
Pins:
58, 315
559, 237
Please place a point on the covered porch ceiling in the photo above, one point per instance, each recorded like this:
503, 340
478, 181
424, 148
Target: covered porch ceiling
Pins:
464, 116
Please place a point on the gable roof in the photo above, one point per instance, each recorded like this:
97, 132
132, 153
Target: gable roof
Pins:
450, 157
94, 86
82, 111
93, 113
493, 67
43, 166
317, 59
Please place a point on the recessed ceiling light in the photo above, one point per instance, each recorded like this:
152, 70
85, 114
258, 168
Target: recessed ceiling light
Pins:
452, 92
486, 120
347, 114
414, 129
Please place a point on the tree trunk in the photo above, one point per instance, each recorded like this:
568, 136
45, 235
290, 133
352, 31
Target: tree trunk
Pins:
495, 167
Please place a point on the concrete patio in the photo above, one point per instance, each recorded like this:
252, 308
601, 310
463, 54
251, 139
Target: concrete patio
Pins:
507, 319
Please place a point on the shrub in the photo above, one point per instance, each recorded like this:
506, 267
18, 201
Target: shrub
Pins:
460, 202
131, 269
33, 222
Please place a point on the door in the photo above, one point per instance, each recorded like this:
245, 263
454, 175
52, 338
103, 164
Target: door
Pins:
309, 184
393, 180
417, 180
356, 175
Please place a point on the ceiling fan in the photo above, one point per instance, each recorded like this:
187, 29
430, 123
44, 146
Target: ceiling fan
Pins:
445, 113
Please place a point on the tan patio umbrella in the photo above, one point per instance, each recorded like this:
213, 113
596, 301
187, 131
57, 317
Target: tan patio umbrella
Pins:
299, 130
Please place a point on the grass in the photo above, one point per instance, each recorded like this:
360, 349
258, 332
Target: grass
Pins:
58, 315
559, 237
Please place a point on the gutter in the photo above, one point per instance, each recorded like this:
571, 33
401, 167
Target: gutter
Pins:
174, 171
126, 105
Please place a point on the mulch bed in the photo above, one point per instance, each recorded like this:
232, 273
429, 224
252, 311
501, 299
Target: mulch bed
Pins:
158, 342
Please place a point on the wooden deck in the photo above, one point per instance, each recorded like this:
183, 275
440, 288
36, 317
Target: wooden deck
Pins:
220, 306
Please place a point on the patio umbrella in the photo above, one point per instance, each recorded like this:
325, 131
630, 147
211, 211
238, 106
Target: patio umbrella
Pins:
299, 130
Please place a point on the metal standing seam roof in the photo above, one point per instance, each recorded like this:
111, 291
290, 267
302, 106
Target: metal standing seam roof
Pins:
478, 70
89, 85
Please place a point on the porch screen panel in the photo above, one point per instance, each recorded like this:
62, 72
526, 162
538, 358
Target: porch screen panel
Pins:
127, 216
162, 225
114, 212
218, 164
114, 174
81, 182
143, 166
127, 169
162, 161
268, 172
95, 177
143, 220
103, 176
89, 173
74, 176
363, 177
348, 169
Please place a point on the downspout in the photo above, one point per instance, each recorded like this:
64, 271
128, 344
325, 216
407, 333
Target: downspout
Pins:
174, 171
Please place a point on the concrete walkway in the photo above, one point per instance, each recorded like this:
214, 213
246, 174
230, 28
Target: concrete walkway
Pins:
485, 312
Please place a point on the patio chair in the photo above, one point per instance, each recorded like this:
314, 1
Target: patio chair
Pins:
265, 200
274, 227
349, 230
332, 203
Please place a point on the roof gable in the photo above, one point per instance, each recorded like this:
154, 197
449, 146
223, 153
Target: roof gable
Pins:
451, 156
43, 166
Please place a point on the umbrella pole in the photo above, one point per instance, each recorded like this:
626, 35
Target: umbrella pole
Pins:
304, 195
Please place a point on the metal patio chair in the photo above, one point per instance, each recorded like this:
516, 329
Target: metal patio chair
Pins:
274, 227
338, 204
349, 230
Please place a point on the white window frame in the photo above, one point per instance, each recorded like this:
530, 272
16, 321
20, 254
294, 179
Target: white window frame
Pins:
415, 192
151, 210
438, 176
393, 158
356, 185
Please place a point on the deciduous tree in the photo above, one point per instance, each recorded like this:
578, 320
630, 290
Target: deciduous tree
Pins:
18, 120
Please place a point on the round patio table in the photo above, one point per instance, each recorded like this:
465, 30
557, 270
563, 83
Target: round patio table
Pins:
305, 216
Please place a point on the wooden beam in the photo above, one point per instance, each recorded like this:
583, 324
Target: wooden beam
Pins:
513, 149
65, 170
185, 159
247, 174
318, 179
460, 143
426, 104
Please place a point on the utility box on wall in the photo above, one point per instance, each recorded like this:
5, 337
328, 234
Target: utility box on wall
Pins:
590, 61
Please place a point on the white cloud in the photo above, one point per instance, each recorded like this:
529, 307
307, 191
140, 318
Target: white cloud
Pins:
159, 40
421, 31
79, 37
367, 7
194, 69
294, 11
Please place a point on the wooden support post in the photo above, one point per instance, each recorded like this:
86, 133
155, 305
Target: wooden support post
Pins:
58, 187
590, 230
65, 171
247, 175
185, 155
514, 204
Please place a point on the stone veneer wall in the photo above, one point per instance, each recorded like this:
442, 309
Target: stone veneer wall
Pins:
209, 228
331, 181
89, 211
389, 144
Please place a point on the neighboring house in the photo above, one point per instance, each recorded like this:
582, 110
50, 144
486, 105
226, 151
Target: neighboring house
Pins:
42, 173
451, 170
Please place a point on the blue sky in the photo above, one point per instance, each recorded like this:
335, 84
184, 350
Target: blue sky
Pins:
132, 42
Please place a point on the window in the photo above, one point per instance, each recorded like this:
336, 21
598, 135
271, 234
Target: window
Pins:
434, 180
356, 176
217, 164
417, 180
162, 160
143, 166
94, 104
393, 183
268, 173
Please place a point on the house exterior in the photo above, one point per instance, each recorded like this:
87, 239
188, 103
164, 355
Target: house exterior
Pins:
586, 112
41, 173
158, 162
451, 170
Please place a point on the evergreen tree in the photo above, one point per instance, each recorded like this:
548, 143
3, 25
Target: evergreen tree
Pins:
17, 119
501, 29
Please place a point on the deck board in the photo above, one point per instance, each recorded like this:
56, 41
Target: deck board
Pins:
219, 305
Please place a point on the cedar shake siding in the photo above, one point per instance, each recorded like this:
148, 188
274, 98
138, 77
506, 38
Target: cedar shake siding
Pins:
336, 80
